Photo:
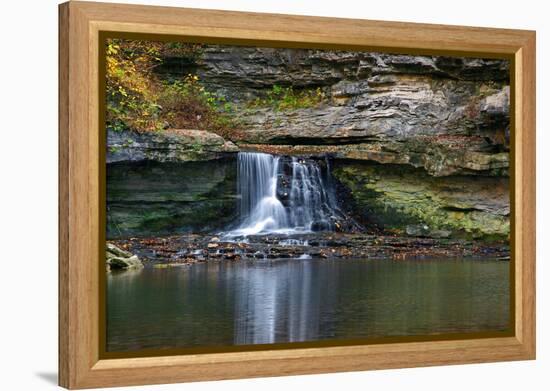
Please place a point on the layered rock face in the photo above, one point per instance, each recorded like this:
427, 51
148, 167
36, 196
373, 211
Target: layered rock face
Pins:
447, 115
437, 127
151, 198
410, 202
172, 145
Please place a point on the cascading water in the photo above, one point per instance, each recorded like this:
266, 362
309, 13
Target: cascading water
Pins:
269, 203
259, 208
310, 203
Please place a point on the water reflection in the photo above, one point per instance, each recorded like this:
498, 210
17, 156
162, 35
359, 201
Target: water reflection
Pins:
282, 303
303, 300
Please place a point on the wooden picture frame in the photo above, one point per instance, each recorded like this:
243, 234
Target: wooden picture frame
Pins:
80, 185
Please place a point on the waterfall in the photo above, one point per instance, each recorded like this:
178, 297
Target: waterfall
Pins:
310, 203
271, 201
259, 208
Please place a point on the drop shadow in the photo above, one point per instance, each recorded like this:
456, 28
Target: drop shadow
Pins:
49, 377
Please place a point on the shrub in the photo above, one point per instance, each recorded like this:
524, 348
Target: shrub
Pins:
286, 98
137, 99
131, 100
187, 104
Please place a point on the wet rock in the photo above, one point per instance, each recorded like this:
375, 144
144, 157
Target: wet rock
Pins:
117, 252
320, 246
440, 233
405, 200
153, 199
118, 259
417, 230
318, 226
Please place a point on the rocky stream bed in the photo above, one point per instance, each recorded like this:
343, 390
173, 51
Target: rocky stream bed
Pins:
181, 250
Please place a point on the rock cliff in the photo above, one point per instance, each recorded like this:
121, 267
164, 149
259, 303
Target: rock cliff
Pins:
171, 145
151, 198
408, 201
416, 117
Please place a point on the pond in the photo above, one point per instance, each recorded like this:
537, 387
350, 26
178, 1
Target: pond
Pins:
292, 300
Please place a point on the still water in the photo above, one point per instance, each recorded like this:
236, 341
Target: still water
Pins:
276, 301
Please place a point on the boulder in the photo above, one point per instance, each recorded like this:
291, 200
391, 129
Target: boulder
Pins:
118, 259
497, 104
417, 230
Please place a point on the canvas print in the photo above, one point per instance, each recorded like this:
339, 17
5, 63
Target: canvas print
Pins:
265, 196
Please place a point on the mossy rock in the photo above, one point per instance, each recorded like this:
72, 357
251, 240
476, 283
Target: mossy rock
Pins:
117, 259
150, 198
400, 199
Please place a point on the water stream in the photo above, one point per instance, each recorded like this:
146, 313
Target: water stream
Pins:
274, 201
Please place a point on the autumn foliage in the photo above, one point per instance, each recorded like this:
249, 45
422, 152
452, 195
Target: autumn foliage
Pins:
138, 99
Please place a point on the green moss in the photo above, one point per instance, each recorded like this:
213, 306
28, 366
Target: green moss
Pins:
395, 197
148, 199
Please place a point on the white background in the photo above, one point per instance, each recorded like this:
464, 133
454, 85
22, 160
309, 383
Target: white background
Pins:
28, 193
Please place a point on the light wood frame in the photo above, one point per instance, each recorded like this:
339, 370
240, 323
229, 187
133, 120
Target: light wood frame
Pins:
80, 365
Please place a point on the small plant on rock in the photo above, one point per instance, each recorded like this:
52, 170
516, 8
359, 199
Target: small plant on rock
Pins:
286, 98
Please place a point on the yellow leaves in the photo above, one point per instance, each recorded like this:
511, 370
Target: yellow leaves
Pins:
190, 78
135, 93
112, 49
122, 91
131, 85
112, 66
